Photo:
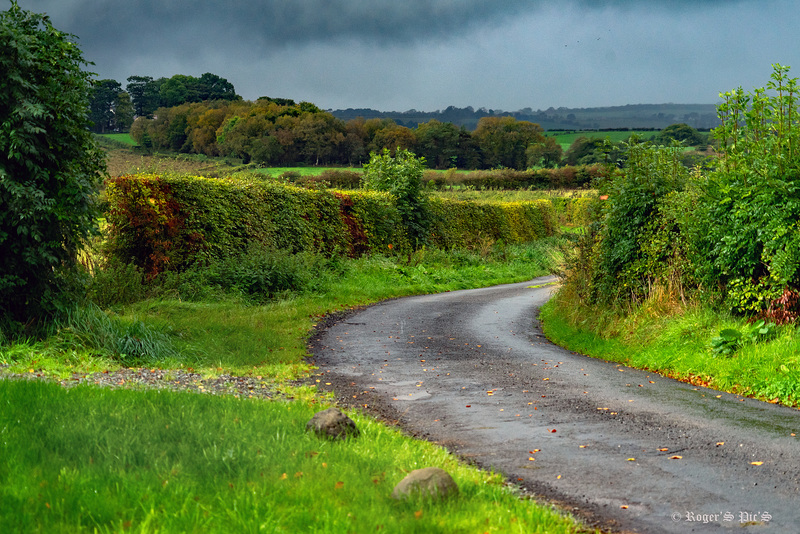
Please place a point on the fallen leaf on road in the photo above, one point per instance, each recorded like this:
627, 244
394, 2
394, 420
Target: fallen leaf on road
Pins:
631, 459
624, 506
663, 449
720, 443
676, 457
756, 463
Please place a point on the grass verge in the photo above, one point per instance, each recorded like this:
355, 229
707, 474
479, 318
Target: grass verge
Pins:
95, 460
677, 341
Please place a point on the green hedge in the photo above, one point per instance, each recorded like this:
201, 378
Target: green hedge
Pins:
168, 222
569, 177
459, 223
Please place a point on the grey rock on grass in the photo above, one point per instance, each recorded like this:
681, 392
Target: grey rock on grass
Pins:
332, 424
430, 481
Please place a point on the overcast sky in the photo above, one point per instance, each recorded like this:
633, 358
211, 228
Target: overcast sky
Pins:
394, 55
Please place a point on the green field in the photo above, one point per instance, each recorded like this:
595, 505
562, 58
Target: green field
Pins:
302, 171
121, 138
566, 138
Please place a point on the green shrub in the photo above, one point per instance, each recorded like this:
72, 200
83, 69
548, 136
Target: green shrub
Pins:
751, 203
117, 283
458, 223
401, 176
50, 168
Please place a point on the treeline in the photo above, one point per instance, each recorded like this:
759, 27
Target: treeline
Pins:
114, 109
630, 117
281, 132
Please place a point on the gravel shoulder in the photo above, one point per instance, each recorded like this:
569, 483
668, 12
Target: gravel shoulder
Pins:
176, 380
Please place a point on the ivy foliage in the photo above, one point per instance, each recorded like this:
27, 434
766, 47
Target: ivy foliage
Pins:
50, 169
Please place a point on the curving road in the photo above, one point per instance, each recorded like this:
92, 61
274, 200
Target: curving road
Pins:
625, 450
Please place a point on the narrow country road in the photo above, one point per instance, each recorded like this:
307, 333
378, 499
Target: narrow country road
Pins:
625, 450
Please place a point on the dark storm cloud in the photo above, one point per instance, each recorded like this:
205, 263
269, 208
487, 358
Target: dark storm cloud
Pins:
429, 54
278, 23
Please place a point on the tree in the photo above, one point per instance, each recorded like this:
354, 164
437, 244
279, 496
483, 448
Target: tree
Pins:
144, 95
401, 176
504, 141
681, 132
588, 150
110, 107
123, 112
212, 87
438, 143
546, 153
50, 168
178, 90
104, 99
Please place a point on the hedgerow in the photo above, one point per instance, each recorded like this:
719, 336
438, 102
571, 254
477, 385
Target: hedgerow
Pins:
569, 177
729, 233
169, 222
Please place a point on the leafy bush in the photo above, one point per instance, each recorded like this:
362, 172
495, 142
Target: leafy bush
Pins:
729, 340
401, 176
50, 168
170, 223
117, 283
260, 274
631, 238
751, 203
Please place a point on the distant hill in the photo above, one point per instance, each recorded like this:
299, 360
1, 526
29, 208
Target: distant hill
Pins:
631, 117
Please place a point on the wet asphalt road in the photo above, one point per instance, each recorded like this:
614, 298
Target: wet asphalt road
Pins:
622, 449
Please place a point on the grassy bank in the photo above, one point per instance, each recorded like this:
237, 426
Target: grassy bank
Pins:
89, 459
684, 342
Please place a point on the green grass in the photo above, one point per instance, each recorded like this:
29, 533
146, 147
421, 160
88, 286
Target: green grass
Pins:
302, 171
270, 340
121, 138
95, 460
565, 139
676, 342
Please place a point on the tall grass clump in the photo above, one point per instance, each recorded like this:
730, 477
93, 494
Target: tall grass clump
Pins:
127, 339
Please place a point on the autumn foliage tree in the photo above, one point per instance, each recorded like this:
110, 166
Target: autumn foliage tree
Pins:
50, 168
505, 140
